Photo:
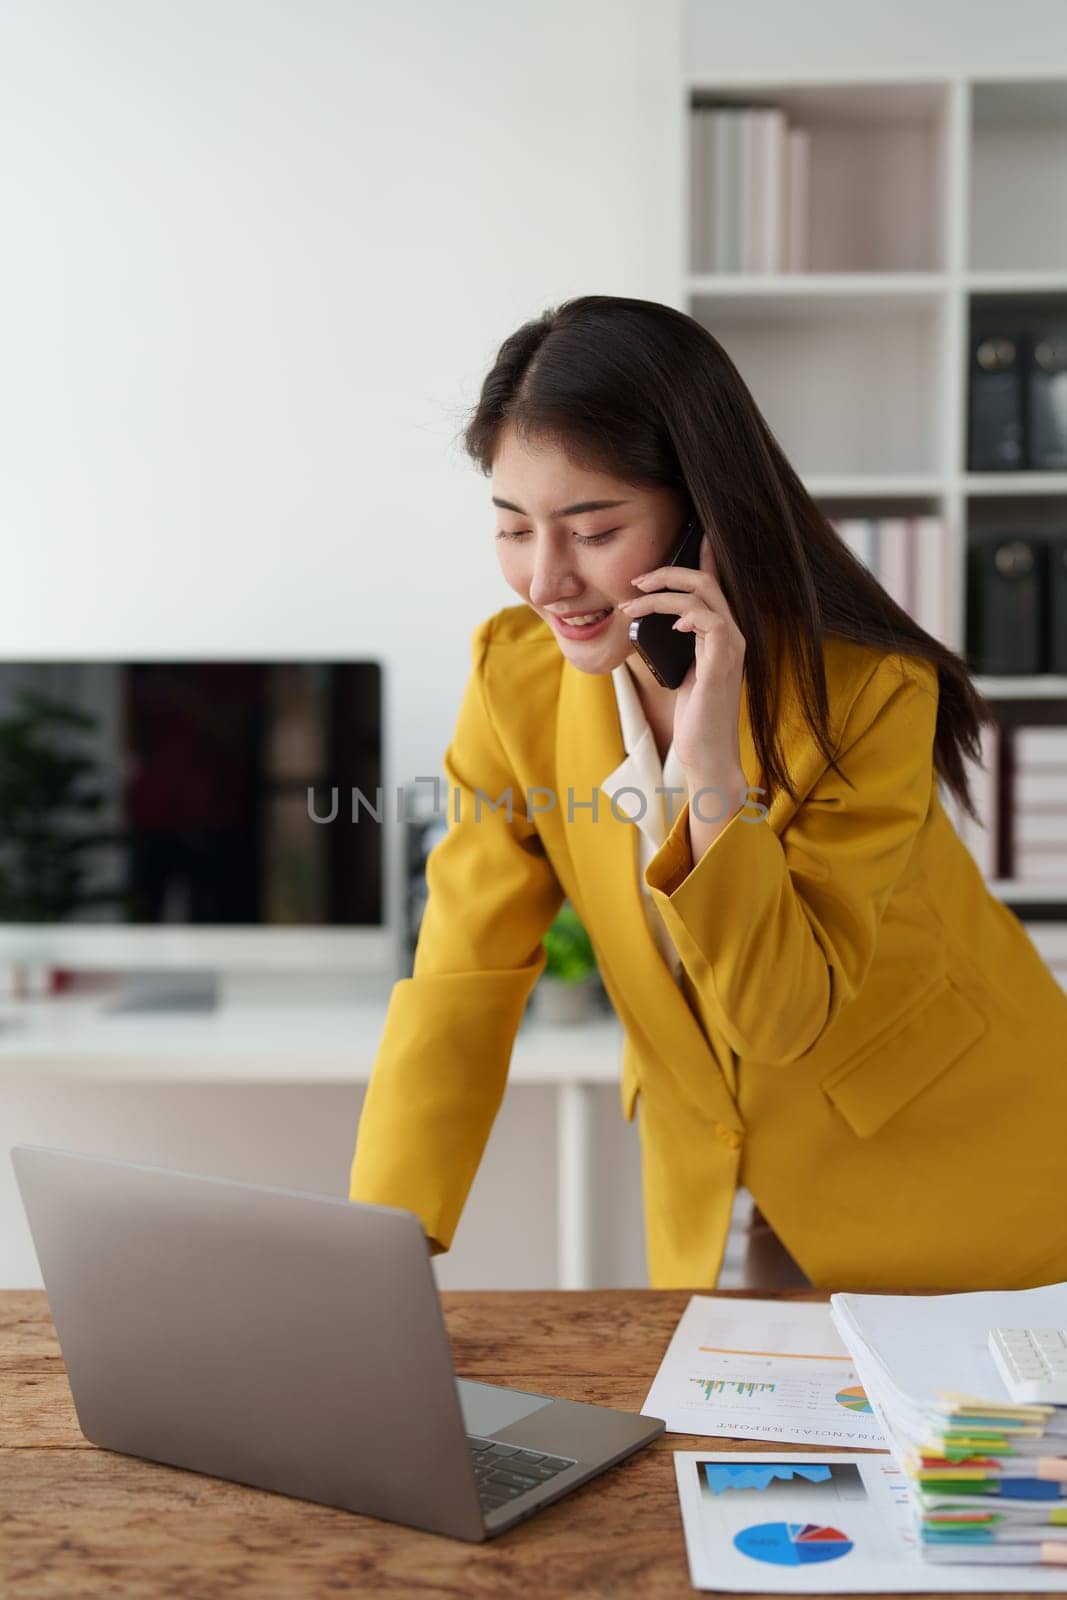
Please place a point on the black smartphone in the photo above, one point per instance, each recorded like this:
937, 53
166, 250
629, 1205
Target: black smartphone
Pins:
667, 654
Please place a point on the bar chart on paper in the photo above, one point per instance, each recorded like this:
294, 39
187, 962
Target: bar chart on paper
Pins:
730, 1388
762, 1369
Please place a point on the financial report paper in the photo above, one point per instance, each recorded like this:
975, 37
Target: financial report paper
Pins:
762, 1369
823, 1524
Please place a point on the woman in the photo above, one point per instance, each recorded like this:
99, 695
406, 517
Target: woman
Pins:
821, 999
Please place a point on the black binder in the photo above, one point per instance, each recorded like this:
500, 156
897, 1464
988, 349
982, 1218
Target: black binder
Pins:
1046, 383
1057, 601
1006, 603
997, 440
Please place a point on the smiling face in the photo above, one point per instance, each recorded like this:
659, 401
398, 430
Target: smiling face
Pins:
570, 540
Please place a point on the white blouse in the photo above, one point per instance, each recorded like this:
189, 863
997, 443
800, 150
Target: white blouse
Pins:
642, 770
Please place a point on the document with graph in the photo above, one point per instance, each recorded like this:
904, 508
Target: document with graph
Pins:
809, 1523
762, 1369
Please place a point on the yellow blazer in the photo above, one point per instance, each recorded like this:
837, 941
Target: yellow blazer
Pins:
864, 1035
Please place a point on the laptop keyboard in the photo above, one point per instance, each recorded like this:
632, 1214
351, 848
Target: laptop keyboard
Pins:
505, 1471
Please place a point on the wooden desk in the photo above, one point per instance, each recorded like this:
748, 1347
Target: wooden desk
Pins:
83, 1522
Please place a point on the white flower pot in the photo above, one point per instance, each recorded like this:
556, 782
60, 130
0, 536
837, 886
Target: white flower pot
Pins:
559, 1002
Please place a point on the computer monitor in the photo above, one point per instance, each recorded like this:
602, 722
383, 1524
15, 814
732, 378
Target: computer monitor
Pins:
225, 815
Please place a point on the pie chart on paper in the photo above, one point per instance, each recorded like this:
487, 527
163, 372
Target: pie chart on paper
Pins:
792, 1544
854, 1399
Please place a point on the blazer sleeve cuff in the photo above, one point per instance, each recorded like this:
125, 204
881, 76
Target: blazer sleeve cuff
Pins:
720, 914
704, 906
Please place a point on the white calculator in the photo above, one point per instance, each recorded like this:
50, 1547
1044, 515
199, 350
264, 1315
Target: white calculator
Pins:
1033, 1363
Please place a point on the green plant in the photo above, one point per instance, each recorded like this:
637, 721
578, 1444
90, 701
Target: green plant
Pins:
45, 807
568, 947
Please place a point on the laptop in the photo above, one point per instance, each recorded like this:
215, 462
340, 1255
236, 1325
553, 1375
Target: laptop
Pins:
293, 1342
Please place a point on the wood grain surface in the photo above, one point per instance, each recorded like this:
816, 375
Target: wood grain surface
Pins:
79, 1522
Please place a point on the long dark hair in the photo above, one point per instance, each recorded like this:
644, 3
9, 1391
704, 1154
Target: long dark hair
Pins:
645, 393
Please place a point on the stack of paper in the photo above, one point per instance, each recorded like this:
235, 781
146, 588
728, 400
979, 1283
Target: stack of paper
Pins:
987, 1478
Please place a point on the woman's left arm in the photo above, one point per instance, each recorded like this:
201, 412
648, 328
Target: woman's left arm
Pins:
778, 931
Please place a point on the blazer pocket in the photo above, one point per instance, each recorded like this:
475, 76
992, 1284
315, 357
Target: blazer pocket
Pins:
874, 1085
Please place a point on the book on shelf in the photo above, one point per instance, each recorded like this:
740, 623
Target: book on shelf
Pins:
1040, 805
798, 200
1042, 751
1037, 808
749, 190
917, 562
25, 980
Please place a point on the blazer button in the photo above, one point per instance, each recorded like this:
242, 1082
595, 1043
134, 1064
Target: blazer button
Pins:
730, 1136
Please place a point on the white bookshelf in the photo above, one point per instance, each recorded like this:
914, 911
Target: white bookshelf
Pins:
1043, 686
1014, 484
930, 196
1020, 892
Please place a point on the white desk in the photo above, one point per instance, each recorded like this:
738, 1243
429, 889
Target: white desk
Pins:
312, 1041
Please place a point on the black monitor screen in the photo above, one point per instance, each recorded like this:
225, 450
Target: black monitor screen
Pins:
191, 792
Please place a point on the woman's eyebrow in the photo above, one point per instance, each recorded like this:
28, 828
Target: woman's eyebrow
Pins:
565, 511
